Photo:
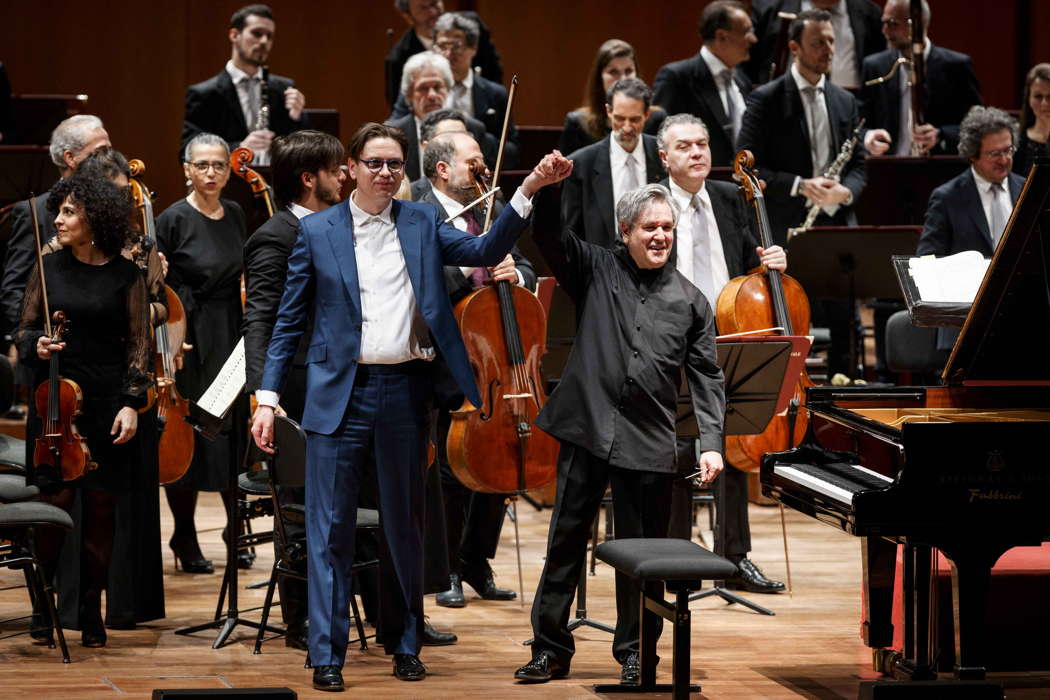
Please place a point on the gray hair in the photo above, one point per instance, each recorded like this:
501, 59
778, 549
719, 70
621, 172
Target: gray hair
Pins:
632, 204
203, 139
72, 135
978, 123
441, 148
421, 61
675, 120
925, 11
451, 21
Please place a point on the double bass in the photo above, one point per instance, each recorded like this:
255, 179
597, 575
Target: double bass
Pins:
176, 444
766, 299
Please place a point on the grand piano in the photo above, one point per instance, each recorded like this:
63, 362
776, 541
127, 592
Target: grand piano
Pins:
960, 468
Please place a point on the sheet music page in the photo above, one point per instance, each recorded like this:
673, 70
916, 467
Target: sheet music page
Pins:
227, 386
953, 278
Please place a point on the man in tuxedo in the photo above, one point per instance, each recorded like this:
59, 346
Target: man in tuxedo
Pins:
709, 84
421, 17
856, 25
473, 520
425, 83
950, 90
472, 95
372, 273
229, 103
307, 178
970, 211
606, 170
73, 140
795, 127
713, 244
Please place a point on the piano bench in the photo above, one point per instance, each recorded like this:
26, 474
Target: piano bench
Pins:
680, 565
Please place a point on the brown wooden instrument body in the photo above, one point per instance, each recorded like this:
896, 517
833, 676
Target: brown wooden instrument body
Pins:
486, 444
176, 444
765, 299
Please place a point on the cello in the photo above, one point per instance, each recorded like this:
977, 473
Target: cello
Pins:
176, 443
765, 299
59, 400
492, 448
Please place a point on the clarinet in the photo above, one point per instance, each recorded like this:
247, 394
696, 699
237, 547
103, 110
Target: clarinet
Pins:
834, 172
262, 119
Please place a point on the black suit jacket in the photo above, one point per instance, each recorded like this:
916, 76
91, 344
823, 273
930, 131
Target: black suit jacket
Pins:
865, 19
456, 282
776, 132
214, 107
951, 89
955, 219
689, 86
265, 270
574, 134
487, 58
414, 168
21, 256
587, 194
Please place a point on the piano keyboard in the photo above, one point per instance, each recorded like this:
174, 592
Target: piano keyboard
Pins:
836, 481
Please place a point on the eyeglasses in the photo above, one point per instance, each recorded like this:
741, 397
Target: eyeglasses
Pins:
443, 46
219, 166
375, 165
1004, 153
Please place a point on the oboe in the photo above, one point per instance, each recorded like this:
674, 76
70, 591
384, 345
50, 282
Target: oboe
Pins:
262, 119
834, 172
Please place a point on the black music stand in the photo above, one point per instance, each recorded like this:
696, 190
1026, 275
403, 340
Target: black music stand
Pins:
760, 376
861, 257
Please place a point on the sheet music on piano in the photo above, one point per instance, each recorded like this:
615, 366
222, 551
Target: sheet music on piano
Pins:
209, 411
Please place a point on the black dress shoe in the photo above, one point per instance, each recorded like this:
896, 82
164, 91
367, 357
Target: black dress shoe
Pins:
408, 667
328, 678
481, 580
750, 578
433, 638
631, 670
541, 669
296, 639
453, 597
188, 554
92, 629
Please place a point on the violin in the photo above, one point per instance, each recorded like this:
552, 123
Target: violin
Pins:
492, 448
176, 444
765, 299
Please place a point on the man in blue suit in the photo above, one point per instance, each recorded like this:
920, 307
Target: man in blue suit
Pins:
371, 270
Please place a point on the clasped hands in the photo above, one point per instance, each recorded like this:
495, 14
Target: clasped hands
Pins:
823, 191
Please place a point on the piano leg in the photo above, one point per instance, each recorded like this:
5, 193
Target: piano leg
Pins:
916, 662
971, 574
879, 557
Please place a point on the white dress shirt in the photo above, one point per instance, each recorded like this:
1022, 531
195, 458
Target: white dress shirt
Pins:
727, 93
984, 191
845, 66
684, 262
299, 210
453, 209
461, 96
618, 163
249, 92
819, 144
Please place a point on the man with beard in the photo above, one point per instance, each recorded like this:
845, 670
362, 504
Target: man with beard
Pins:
605, 171
642, 323
210, 105
473, 520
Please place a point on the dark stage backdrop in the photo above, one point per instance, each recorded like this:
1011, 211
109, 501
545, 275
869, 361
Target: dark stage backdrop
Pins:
135, 59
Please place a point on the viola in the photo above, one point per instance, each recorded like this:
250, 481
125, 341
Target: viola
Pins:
240, 159
176, 445
59, 401
766, 299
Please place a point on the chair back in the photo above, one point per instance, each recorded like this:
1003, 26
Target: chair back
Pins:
288, 464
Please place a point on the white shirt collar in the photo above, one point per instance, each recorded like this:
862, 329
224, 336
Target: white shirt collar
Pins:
984, 185
236, 74
452, 207
467, 82
714, 63
802, 83
617, 154
684, 198
298, 210
360, 216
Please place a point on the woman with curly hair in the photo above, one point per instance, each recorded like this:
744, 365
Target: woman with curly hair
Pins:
105, 351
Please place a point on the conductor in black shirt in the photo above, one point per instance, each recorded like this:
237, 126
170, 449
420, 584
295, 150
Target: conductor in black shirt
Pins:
642, 323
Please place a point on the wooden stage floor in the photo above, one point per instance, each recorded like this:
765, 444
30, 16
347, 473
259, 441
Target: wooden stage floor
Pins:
810, 649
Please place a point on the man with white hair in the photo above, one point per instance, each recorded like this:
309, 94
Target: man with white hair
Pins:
425, 84
72, 141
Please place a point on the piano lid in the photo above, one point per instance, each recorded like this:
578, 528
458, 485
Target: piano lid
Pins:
1006, 336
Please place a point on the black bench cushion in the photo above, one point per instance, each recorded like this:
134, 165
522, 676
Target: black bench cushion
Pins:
33, 513
255, 483
13, 488
669, 559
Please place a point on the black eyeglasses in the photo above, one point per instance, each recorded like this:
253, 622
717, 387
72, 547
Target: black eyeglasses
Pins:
375, 165
218, 166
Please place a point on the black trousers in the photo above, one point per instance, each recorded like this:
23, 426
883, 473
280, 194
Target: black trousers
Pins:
640, 501
733, 530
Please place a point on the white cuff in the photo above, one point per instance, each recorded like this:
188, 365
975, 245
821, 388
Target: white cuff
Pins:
265, 397
522, 204
796, 186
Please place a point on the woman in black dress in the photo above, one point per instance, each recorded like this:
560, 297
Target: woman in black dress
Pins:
105, 351
1035, 119
589, 123
203, 238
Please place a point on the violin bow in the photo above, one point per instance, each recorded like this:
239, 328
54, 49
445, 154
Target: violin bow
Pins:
502, 145
40, 265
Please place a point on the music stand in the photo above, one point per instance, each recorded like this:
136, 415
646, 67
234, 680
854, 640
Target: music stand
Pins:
760, 377
861, 255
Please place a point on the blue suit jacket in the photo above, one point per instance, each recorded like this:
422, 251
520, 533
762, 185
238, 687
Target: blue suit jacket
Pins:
955, 219
322, 272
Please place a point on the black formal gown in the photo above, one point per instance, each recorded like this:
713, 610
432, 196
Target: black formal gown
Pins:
205, 263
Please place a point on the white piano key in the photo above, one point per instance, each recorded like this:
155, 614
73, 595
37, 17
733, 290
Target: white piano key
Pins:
823, 487
880, 477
